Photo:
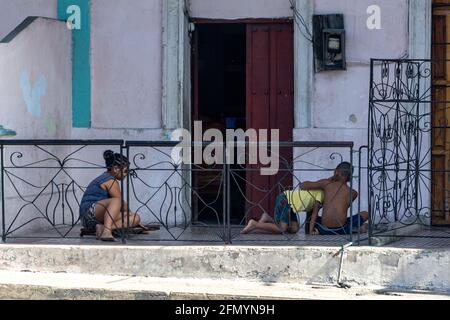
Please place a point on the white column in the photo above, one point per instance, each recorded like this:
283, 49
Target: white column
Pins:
420, 32
420, 15
303, 67
173, 82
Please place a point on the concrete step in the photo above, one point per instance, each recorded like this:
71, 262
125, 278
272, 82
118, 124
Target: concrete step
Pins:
416, 269
70, 286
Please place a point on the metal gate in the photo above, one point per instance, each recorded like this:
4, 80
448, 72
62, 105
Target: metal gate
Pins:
408, 151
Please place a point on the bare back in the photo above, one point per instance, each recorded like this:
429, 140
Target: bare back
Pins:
335, 205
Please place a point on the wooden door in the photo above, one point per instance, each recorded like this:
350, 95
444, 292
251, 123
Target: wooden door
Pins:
270, 105
441, 114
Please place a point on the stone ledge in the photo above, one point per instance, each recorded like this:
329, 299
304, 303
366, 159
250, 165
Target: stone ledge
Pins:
25, 285
361, 266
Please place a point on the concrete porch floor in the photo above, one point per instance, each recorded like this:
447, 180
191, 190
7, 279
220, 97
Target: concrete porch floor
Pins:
427, 238
192, 235
203, 235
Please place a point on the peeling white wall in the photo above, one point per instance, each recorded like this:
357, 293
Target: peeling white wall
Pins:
35, 99
126, 63
340, 98
238, 9
36, 95
362, 44
13, 12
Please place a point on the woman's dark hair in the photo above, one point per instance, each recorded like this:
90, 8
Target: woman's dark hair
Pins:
115, 159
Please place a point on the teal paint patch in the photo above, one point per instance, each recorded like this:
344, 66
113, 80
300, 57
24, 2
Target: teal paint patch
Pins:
81, 67
33, 93
6, 132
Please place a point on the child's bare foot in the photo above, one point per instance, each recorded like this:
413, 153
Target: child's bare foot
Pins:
103, 234
99, 230
250, 226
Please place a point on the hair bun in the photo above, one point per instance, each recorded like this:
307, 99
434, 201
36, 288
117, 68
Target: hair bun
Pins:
108, 154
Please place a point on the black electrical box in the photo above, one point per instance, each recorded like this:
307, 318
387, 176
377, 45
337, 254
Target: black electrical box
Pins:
329, 42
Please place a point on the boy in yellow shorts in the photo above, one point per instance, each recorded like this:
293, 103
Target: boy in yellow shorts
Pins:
286, 206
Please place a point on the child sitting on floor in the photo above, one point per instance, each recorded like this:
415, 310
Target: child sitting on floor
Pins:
100, 207
337, 193
332, 194
286, 206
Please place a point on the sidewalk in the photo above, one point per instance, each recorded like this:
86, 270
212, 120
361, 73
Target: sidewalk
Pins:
71, 286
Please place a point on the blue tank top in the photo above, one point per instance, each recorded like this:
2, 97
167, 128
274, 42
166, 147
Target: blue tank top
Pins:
94, 192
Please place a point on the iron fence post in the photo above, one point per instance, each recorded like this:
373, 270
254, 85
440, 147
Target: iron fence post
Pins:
228, 205
224, 195
127, 148
2, 195
369, 153
122, 207
359, 187
351, 194
417, 147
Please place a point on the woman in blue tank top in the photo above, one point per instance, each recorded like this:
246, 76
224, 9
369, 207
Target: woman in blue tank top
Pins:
100, 207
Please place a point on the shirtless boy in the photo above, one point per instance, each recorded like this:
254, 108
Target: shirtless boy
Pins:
337, 200
333, 195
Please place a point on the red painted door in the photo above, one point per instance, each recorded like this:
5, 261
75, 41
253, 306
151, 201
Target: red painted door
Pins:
270, 105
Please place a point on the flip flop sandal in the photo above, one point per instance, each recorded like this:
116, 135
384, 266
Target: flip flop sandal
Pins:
118, 232
112, 239
150, 227
87, 232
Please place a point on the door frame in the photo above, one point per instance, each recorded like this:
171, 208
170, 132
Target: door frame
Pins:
241, 21
195, 80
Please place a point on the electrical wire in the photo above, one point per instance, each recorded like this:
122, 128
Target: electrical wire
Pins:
186, 9
298, 15
301, 23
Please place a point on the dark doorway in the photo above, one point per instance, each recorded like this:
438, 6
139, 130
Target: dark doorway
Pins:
220, 97
243, 77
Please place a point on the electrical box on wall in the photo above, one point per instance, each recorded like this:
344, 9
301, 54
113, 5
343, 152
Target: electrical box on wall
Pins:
333, 49
329, 42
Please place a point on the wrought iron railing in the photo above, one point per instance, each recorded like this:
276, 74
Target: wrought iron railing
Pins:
408, 149
43, 182
408, 174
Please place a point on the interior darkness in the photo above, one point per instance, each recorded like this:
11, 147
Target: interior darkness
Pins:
221, 104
